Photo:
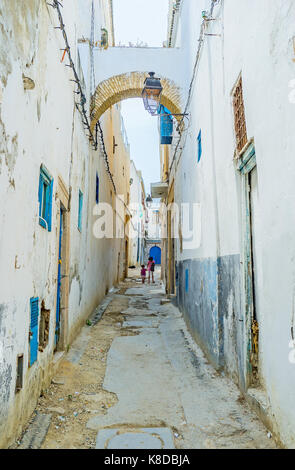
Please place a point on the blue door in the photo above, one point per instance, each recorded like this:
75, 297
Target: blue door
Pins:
58, 309
155, 252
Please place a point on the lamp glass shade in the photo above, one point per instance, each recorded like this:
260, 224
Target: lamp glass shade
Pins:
151, 93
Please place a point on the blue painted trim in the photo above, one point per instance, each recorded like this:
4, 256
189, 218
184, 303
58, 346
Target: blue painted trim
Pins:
199, 145
57, 324
80, 210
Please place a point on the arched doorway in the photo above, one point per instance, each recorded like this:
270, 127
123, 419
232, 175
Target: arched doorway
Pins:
156, 253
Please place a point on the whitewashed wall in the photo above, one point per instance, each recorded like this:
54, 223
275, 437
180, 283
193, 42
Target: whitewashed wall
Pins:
257, 41
136, 211
43, 126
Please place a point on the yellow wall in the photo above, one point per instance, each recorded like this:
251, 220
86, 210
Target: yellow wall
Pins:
119, 159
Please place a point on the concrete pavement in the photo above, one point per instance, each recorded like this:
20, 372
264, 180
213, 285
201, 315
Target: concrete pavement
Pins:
136, 379
162, 380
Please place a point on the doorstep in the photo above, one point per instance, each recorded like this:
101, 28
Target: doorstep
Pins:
258, 401
171, 296
58, 356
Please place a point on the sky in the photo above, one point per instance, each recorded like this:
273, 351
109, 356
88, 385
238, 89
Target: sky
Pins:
141, 21
143, 136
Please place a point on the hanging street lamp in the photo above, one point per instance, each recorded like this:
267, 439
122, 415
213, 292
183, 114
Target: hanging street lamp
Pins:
151, 93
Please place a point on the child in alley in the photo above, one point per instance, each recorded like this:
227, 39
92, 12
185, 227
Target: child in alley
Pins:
143, 273
151, 269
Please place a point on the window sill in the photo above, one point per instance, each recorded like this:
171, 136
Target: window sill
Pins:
44, 224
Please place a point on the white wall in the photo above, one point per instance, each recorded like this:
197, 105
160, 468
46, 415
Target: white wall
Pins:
43, 126
138, 214
257, 41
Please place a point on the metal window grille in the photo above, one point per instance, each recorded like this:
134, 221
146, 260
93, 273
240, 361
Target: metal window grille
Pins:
239, 112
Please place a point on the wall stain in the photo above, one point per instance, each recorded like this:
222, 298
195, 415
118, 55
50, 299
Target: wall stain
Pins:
74, 275
10, 157
5, 368
39, 109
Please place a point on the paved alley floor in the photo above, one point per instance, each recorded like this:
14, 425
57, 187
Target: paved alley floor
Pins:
135, 379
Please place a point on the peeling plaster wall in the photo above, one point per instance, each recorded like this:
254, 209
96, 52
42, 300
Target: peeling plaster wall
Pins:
263, 50
42, 126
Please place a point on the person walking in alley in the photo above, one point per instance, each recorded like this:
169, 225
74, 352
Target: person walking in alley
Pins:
143, 273
151, 269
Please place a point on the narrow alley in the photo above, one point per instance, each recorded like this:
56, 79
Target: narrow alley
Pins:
147, 215
134, 379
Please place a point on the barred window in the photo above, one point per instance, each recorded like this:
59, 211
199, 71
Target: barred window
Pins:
239, 112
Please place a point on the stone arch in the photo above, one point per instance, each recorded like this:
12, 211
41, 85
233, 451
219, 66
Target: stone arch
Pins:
130, 85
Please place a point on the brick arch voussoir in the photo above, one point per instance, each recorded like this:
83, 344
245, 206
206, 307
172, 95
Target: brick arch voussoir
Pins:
126, 86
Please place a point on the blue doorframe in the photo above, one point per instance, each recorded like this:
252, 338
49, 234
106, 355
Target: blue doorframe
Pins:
58, 308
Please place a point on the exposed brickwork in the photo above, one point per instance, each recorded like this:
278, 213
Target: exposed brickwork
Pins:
130, 85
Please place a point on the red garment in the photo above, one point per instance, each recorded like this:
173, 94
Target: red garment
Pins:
149, 265
143, 272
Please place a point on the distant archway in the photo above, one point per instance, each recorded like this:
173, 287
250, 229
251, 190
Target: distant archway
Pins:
130, 85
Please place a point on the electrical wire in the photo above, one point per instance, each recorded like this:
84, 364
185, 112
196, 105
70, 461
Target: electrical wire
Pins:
57, 5
93, 138
190, 91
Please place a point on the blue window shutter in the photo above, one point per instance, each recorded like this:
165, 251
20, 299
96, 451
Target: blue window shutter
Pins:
166, 125
199, 145
34, 305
